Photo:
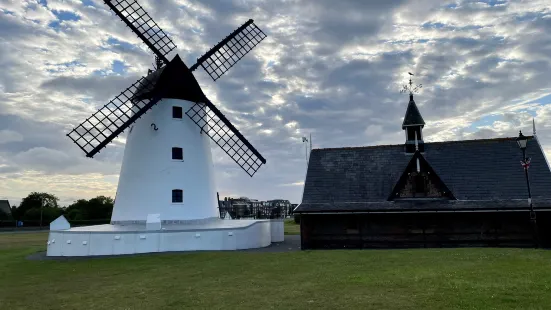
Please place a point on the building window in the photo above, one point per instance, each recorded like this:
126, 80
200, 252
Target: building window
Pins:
177, 112
177, 153
411, 133
177, 196
419, 184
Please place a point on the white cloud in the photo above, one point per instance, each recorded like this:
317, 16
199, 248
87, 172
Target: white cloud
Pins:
328, 68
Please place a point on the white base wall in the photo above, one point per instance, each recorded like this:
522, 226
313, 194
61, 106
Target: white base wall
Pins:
93, 241
277, 230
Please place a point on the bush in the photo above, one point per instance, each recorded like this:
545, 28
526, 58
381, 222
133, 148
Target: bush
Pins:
297, 218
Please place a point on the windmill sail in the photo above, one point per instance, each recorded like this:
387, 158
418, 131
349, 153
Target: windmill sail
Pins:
222, 132
219, 59
135, 17
107, 123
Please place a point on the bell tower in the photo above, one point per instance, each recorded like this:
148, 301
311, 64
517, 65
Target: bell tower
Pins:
413, 121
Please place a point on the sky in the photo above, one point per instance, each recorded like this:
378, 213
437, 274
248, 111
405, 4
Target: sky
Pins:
332, 69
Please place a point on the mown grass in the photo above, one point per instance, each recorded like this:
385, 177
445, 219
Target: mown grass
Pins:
378, 279
291, 228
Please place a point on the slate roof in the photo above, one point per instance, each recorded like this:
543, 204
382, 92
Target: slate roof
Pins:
413, 116
486, 169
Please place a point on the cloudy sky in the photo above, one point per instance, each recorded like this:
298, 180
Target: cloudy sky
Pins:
328, 68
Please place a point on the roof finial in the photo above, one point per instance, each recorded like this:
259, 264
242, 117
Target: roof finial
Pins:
410, 88
534, 125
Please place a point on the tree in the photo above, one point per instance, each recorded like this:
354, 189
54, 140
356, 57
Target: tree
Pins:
48, 214
4, 215
98, 208
36, 201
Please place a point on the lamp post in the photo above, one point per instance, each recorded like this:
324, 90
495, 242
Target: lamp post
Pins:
522, 141
304, 139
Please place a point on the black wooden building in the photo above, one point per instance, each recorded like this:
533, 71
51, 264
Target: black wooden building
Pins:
417, 194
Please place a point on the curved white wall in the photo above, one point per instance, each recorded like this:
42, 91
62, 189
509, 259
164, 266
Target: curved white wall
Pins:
149, 174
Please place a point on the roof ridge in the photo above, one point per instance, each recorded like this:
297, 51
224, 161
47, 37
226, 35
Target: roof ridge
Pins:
426, 143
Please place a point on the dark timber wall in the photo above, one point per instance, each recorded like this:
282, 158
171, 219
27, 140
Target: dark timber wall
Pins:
405, 230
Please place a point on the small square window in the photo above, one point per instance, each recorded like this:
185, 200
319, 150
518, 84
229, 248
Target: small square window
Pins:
177, 153
177, 112
177, 196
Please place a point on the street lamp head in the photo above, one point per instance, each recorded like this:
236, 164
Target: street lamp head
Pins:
522, 141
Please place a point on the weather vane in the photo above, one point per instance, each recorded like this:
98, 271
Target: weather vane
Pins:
409, 87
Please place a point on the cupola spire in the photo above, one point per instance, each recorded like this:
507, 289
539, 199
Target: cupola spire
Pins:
413, 121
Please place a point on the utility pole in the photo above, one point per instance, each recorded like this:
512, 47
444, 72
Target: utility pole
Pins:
41, 209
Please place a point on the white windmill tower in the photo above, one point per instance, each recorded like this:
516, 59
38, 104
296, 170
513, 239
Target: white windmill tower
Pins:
167, 166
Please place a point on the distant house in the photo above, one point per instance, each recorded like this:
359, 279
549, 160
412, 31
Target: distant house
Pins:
416, 194
5, 209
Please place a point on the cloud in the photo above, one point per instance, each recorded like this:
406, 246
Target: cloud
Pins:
7, 136
328, 68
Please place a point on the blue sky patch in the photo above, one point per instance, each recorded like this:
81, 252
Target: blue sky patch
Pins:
527, 17
433, 25
8, 12
119, 67
487, 120
494, 2
123, 45
545, 100
66, 15
61, 17
88, 3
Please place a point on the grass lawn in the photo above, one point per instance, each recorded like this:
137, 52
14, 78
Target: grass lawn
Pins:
379, 279
291, 228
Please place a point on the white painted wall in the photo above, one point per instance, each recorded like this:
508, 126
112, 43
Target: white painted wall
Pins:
92, 243
60, 223
277, 229
149, 174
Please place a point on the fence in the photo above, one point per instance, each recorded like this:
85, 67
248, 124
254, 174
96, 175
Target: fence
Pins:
253, 209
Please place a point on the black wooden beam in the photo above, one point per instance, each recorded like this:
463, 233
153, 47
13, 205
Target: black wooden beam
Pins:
135, 30
122, 128
219, 45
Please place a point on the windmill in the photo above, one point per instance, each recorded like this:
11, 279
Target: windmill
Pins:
167, 165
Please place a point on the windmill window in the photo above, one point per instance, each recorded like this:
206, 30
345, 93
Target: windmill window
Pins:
177, 153
177, 112
177, 196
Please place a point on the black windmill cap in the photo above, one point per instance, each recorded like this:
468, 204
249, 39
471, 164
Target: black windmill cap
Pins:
175, 80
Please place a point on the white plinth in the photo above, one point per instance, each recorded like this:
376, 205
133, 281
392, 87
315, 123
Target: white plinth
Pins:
111, 239
277, 230
60, 223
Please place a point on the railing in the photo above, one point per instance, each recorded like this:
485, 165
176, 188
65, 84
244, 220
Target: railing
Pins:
252, 210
